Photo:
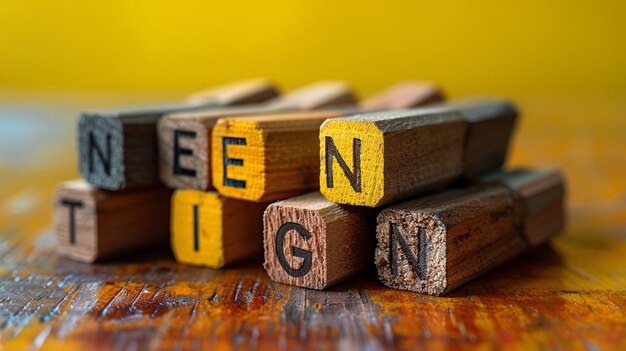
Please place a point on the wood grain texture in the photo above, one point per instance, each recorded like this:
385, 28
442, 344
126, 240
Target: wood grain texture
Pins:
404, 94
93, 225
185, 138
378, 158
268, 157
210, 230
490, 125
567, 295
118, 148
314, 243
437, 243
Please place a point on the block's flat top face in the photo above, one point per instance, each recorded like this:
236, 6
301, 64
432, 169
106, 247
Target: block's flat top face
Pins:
483, 108
388, 121
550, 297
148, 114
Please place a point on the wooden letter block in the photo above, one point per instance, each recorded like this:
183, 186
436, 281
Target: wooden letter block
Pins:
377, 158
270, 157
92, 224
210, 230
185, 138
404, 95
490, 123
437, 243
118, 149
314, 243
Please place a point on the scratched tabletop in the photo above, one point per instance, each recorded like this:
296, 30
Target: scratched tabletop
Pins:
570, 294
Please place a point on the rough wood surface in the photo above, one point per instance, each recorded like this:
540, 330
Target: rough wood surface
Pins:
210, 230
269, 157
567, 295
314, 243
90, 224
404, 95
436, 243
378, 158
118, 148
185, 138
490, 124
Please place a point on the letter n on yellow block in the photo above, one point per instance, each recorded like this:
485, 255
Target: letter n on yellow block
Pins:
352, 162
210, 230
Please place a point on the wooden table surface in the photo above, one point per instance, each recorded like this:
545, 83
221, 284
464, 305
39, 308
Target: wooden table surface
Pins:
570, 294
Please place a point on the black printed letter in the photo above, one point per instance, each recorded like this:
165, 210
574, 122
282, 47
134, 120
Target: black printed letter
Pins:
331, 151
419, 267
178, 169
232, 161
307, 256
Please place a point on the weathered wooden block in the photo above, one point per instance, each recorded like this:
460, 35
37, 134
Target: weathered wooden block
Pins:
314, 243
185, 138
93, 225
118, 149
404, 95
269, 157
377, 158
439, 242
210, 230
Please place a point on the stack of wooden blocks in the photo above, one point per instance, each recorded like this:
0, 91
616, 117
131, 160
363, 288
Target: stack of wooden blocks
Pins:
322, 185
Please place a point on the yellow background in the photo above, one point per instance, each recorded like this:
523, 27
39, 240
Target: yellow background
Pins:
517, 49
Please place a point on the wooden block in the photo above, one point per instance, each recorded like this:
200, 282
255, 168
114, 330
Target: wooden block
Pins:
542, 199
93, 225
118, 149
210, 230
404, 95
243, 92
490, 126
377, 158
270, 157
330, 93
314, 243
185, 138
436, 243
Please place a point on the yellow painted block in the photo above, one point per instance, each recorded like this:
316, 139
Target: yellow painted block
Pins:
377, 158
270, 157
352, 162
210, 230
238, 159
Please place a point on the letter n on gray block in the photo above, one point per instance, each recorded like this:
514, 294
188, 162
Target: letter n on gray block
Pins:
101, 151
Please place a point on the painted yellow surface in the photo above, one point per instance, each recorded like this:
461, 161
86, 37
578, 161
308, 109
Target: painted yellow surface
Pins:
252, 171
343, 133
520, 49
210, 250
